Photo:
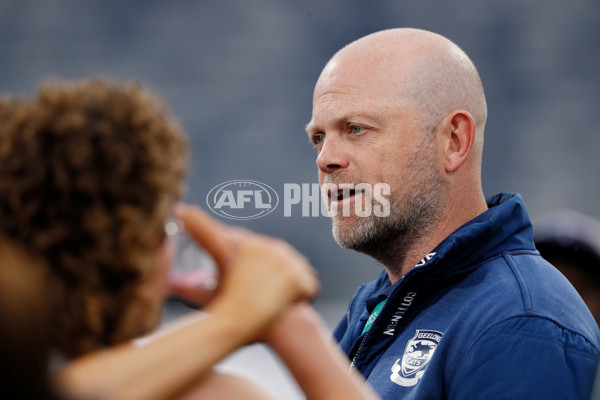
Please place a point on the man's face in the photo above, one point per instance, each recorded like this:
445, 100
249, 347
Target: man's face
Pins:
366, 133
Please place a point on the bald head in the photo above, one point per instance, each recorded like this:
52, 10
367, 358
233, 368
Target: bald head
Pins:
422, 69
403, 107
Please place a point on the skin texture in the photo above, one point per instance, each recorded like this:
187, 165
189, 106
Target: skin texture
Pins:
301, 339
403, 107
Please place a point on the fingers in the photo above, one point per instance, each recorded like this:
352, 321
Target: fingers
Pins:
284, 265
273, 270
213, 236
299, 268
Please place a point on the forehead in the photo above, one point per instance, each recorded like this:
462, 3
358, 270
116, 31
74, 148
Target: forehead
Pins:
364, 78
347, 77
340, 100
346, 103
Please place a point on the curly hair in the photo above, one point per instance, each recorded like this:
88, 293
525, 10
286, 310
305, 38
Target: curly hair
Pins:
88, 173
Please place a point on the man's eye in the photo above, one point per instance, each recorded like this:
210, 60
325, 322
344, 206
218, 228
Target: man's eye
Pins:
356, 129
317, 139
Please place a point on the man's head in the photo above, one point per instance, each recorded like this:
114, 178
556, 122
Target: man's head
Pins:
88, 174
404, 107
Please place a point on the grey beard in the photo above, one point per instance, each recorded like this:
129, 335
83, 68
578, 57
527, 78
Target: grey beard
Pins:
414, 209
388, 239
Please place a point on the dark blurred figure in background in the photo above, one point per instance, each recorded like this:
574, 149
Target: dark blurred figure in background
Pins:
570, 241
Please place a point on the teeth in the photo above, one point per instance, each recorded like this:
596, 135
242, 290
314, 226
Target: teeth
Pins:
341, 192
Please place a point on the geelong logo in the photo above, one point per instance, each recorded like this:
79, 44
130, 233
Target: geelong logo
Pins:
242, 199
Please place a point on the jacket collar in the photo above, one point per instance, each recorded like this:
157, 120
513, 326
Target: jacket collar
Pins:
504, 227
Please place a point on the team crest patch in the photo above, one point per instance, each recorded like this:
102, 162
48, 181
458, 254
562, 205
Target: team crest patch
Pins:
417, 354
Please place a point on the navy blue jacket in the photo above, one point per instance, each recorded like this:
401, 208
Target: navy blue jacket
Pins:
483, 316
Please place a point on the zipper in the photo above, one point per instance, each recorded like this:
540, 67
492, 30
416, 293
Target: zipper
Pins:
362, 341
416, 270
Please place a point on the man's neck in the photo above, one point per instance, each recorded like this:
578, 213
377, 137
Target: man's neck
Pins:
399, 265
404, 256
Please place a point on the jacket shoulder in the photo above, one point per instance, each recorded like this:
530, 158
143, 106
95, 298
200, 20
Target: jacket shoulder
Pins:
547, 293
543, 358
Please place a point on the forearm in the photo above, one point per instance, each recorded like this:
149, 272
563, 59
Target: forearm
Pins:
320, 369
156, 369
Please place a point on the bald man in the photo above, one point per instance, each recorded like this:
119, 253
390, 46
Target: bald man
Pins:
466, 308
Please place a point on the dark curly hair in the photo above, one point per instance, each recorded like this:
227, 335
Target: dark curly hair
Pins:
88, 173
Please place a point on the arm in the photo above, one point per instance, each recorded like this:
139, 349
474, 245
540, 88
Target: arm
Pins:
157, 369
322, 371
259, 269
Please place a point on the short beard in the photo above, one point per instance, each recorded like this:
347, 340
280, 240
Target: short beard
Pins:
414, 207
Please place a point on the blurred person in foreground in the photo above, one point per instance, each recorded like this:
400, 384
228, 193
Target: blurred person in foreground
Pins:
89, 174
23, 317
465, 307
570, 241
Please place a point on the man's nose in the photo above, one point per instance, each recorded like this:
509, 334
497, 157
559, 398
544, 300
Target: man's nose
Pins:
332, 156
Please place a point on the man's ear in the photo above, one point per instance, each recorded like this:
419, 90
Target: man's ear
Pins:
459, 134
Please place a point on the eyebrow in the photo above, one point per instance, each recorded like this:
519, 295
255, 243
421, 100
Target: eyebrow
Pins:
311, 127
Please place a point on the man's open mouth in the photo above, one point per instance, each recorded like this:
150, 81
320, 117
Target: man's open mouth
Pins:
343, 193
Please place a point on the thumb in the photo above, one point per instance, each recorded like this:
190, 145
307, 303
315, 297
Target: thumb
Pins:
209, 233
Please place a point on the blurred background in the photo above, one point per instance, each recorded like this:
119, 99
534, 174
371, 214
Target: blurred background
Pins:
239, 76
